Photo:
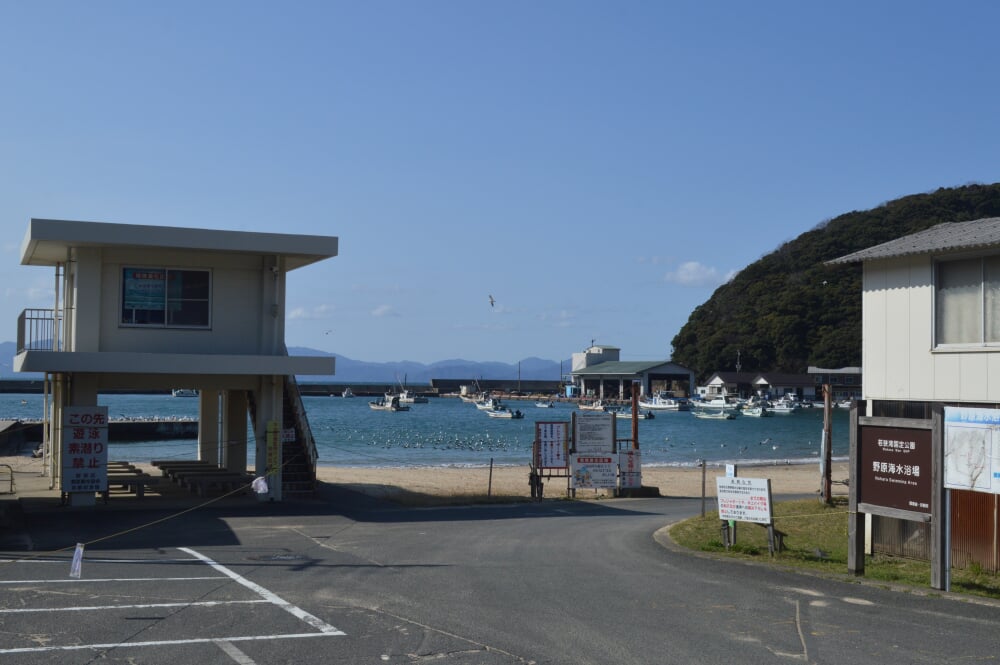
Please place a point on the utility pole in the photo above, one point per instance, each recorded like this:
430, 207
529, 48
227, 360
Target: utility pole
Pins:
827, 456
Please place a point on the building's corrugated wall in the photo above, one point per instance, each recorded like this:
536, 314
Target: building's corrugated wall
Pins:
975, 531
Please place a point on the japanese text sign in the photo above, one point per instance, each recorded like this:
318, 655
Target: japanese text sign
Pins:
744, 499
84, 449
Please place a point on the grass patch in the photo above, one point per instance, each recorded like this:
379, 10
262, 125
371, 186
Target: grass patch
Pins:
816, 539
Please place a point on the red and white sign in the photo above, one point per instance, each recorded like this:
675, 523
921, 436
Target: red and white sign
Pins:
744, 499
593, 471
552, 440
630, 469
84, 449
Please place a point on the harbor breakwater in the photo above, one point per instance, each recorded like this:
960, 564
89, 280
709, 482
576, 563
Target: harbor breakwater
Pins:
20, 435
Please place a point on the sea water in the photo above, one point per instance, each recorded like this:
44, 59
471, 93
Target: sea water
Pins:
449, 432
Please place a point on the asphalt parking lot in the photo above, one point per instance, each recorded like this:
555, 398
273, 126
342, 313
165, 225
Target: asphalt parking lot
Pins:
178, 604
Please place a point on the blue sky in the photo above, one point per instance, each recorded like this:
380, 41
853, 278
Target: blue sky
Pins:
598, 167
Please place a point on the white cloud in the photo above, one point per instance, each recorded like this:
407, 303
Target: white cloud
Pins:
304, 313
383, 310
692, 273
559, 319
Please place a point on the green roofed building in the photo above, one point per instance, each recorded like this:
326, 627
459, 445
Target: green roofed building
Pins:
598, 372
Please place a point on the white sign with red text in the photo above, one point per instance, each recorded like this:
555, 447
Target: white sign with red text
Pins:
630, 469
744, 499
593, 471
85, 449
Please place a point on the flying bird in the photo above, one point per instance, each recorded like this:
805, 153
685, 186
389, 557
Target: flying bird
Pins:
492, 301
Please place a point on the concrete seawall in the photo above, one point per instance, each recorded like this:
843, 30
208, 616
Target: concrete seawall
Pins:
18, 436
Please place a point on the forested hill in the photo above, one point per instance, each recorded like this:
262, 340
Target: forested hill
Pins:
788, 310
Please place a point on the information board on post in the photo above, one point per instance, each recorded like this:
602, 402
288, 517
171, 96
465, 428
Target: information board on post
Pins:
594, 432
593, 471
552, 439
273, 440
895, 468
630, 469
744, 499
84, 449
972, 449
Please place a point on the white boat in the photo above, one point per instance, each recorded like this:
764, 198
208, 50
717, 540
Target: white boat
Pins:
406, 397
504, 412
596, 405
844, 404
347, 392
390, 404
758, 411
627, 414
720, 414
784, 405
184, 392
543, 404
664, 401
487, 404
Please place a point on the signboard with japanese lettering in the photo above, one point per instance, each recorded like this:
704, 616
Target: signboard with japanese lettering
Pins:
744, 499
630, 469
552, 441
895, 468
593, 471
273, 447
84, 449
972, 449
594, 432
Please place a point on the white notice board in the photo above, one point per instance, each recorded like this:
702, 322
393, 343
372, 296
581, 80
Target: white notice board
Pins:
594, 432
552, 439
593, 471
744, 499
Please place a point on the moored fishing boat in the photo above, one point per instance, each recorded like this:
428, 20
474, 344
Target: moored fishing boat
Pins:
389, 403
407, 397
504, 412
627, 414
544, 404
596, 405
758, 411
712, 414
664, 401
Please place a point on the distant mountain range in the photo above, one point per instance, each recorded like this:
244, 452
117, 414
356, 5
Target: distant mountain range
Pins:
359, 371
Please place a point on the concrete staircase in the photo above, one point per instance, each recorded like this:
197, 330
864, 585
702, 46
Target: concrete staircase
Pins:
298, 468
298, 455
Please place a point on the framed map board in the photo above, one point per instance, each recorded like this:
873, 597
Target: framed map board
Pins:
972, 449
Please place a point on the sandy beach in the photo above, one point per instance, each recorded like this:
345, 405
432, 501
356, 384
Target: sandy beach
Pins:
410, 483
430, 485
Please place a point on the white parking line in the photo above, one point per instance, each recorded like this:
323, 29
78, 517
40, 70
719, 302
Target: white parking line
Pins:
112, 579
234, 653
224, 643
144, 606
161, 643
297, 612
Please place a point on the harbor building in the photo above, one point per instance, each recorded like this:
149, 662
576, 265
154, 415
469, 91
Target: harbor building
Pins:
161, 308
924, 475
598, 372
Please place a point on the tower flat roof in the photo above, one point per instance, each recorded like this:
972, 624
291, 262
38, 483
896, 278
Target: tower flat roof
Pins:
47, 241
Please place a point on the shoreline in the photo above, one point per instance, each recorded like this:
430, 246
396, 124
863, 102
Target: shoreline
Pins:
411, 484
431, 485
